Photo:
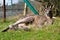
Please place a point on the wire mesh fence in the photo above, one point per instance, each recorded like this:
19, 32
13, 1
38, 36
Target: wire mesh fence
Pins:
16, 9
13, 9
0, 12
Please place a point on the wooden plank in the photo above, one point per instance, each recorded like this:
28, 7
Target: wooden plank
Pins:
25, 9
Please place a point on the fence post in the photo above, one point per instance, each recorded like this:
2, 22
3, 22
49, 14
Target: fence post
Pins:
25, 9
4, 11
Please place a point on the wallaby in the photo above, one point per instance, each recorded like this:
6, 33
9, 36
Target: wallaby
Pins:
38, 20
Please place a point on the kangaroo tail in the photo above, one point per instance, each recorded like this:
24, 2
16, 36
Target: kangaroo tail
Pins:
5, 29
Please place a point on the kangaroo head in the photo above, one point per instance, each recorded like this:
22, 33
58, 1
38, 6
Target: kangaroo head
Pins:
48, 12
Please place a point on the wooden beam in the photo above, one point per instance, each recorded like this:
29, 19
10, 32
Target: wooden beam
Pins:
25, 9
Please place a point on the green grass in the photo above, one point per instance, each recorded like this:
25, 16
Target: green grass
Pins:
51, 32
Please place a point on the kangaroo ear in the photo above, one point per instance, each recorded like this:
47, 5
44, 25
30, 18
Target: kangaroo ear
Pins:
51, 6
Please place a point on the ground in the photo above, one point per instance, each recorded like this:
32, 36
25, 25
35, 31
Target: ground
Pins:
50, 32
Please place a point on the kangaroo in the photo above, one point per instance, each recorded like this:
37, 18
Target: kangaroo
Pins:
38, 20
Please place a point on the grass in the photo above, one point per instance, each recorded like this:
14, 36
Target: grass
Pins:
50, 32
